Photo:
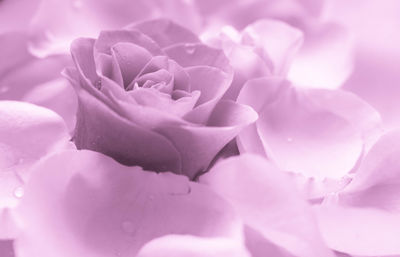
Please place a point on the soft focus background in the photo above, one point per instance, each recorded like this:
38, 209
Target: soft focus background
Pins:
352, 45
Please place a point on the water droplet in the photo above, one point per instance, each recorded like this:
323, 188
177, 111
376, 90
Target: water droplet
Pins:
289, 139
190, 48
97, 84
19, 192
128, 227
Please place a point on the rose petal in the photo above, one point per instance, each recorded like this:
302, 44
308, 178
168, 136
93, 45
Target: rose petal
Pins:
325, 60
226, 121
212, 83
101, 208
368, 209
165, 32
376, 182
154, 99
189, 246
57, 95
27, 133
82, 54
318, 140
247, 65
375, 77
107, 39
278, 40
108, 66
268, 202
131, 59
360, 231
126, 142
20, 72
197, 54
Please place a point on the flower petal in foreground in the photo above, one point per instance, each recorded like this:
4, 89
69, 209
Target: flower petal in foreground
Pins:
269, 205
315, 132
82, 203
27, 133
364, 219
190, 246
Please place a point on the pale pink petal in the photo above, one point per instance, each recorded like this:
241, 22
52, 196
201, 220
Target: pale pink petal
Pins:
93, 206
278, 42
154, 99
190, 246
326, 58
197, 54
307, 135
57, 95
109, 38
20, 72
376, 182
128, 142
269, 203
130, 59
247, 65
226, 121
27, 133
258, 245
360, 231
212, 83
165, 32
364, 218
375, 78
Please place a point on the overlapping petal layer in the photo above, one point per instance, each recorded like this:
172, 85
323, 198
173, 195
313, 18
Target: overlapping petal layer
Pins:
368, 209
85, 204
318, 133
271, 206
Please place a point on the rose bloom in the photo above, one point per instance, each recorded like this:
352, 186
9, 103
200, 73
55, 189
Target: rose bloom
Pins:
149, 95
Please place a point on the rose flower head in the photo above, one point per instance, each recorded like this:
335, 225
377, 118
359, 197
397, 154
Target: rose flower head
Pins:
149, 95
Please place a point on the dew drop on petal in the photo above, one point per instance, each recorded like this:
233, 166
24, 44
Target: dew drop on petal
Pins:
97, 84
289, 139
190, 48
19, 192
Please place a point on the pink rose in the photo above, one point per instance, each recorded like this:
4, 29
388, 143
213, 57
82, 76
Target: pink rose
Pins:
149, 95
